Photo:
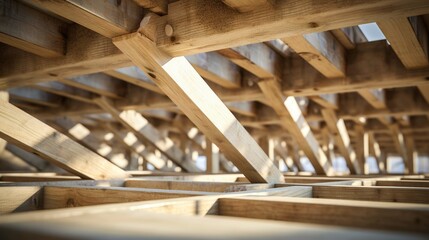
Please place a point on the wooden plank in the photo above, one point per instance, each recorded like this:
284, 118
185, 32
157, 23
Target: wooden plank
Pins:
65, 91
322, 51
362, 214
246, 5
338, 129
326, 100
19, 199
33, 135
134, 76
156, 6
31, 95
30, 30
87, 52
293, 120
399, 143
408, 38
411, 153
62, 197
212, 157
181, 185
98, 83
145, 132
102, 224
109, 18
375, 97
424, 90
187, 89
215, 68
349, 36
382, 194
402, 183
193, 34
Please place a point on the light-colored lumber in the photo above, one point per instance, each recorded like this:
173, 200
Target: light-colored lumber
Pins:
33, 135
322, 51
110, 19
156, 6
293, 120
17, 199
30, 30
212, 157
338, 128
246, 5
181, 185
408, 38
222, 28
62, 197
87, 52
375, 97
349, 36
362, 214
382, 194
146, 132
179, 81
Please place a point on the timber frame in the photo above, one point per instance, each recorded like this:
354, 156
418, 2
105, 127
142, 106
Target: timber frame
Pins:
108, 107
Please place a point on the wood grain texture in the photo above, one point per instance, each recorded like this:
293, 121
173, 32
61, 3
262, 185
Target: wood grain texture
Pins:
369, 215
177, 78
30, 30
202, 27
382, 194
33, 135
18, 199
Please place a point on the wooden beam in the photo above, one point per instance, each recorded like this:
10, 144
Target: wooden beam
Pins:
399, 143
145, 132
382, 194
246, 5
338, 128
35, 96
349, 36
87, 52
109, 19
411, 154
30, 30
156, 6
408, 38
212, 157
134, 76
402, 183
63, 197
375, 97
217, 69
33, 135
65, 91
19, 199
342, 212
293, 120
322, 51
192, 34
177, 78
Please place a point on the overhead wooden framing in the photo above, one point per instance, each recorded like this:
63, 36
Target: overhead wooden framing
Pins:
188, 91
30, 30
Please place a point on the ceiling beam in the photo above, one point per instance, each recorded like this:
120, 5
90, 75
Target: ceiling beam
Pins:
179, 80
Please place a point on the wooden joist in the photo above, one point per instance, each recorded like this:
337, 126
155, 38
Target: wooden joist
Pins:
177, 78
193, 34
408, 38
31, 134
109, 19
30, 30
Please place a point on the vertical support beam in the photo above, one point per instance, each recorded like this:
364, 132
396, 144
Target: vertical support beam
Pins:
267, 144
212, 156
4, 97
362, 151
338, 129
293, 120
411, 153
179, 80
33, 135
408, 38
398, 140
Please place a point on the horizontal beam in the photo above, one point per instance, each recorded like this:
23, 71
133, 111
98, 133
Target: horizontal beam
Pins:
194, 34
30, 30
361, 214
